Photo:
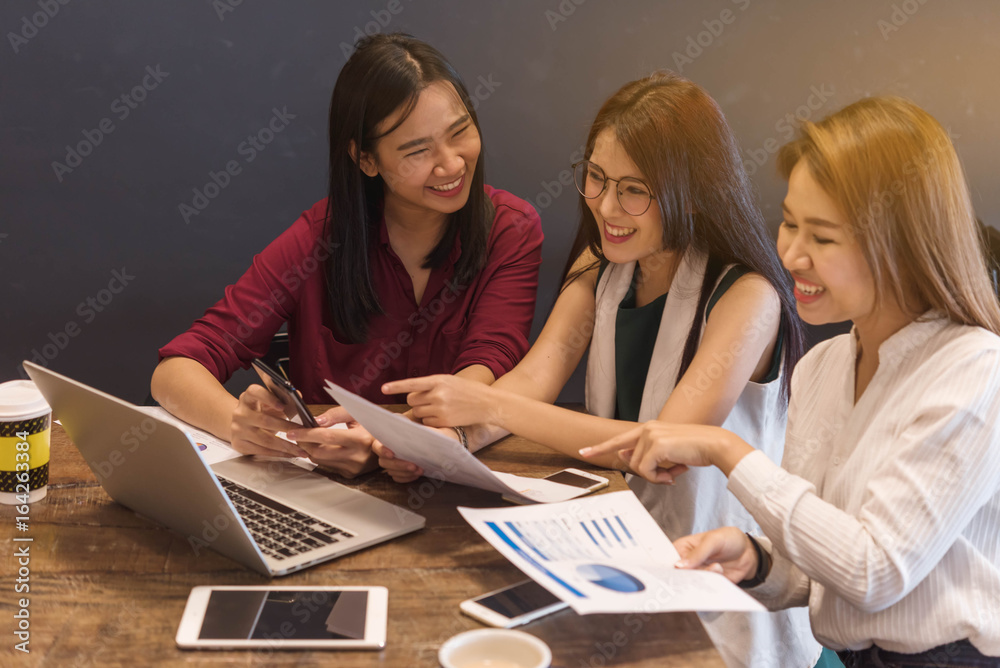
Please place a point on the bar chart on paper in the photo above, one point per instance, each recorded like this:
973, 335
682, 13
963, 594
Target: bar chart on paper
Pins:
603, 554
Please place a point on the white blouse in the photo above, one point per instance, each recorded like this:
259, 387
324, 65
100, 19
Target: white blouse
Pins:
884, 517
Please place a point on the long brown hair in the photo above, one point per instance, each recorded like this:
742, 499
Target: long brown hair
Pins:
679, 139
893, 170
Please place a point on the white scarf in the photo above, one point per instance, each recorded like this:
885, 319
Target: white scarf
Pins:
679, 312
699, 500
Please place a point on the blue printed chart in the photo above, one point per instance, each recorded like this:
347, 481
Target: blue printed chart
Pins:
610, 577
603, 554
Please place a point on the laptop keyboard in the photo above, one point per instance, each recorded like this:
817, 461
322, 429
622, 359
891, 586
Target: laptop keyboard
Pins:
280, 532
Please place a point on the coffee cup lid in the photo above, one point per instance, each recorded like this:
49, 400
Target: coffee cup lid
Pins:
20, 398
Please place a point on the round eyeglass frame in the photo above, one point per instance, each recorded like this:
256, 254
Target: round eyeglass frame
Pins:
618, 193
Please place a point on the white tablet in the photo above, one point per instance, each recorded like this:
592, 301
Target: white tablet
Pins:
284, 618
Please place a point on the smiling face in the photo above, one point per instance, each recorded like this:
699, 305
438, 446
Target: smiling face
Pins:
833, 282
427, 162
624, 237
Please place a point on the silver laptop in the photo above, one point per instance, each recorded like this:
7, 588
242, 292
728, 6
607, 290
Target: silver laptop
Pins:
271, 516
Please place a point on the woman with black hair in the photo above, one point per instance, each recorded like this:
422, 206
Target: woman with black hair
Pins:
675, 285
411, 266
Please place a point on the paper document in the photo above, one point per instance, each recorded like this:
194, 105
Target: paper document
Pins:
212, 448
444, 458
604, 554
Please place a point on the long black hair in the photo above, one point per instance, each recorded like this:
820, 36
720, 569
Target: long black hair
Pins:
385, 74
679, 139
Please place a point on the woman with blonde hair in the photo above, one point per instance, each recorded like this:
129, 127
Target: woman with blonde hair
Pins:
884, 518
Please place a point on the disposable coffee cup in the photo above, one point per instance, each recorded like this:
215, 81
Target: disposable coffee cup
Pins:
25, 431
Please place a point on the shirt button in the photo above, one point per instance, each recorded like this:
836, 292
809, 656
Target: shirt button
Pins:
836, 461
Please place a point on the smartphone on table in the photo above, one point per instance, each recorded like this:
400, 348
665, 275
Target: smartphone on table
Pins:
586, 482
286, 393
577, 478
513, 605
284, 618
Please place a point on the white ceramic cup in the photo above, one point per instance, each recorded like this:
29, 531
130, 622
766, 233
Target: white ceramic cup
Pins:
494, 648
25, 428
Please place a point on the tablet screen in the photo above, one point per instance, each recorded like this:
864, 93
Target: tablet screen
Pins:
284, 615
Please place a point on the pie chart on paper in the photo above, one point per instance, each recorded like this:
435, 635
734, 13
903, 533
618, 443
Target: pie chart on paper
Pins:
610, 578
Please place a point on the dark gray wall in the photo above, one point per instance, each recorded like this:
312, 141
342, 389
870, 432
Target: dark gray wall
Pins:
546, 65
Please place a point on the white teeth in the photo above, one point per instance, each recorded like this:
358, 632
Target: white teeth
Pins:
809, 289
619, 231
448, 186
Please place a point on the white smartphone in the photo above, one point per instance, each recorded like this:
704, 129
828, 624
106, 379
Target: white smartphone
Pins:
577, 478
284, 618
512, 606
586, 482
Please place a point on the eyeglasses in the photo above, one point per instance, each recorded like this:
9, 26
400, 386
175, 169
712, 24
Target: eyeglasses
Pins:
591, 181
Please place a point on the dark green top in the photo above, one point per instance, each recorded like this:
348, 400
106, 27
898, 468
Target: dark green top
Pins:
636, 329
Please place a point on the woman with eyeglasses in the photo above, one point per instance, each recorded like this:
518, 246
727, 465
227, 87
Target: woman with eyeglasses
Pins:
410, 266
674, 284
884, 516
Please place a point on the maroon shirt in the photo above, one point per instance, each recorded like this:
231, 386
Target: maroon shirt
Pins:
454, 326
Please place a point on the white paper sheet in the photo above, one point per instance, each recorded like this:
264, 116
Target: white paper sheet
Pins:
444, 458
604, 554
212, 448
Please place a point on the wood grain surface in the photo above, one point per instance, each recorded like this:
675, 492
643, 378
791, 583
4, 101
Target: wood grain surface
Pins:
107, 587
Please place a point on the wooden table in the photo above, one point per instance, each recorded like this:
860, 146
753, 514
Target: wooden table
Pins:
107, 588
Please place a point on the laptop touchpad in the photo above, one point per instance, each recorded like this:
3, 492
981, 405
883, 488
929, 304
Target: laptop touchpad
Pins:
283, 480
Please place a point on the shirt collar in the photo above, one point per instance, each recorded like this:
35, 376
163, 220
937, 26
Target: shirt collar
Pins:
903, 343
383, 239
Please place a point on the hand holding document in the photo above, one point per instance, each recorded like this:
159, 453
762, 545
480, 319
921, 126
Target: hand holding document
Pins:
443, 458
604, 554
